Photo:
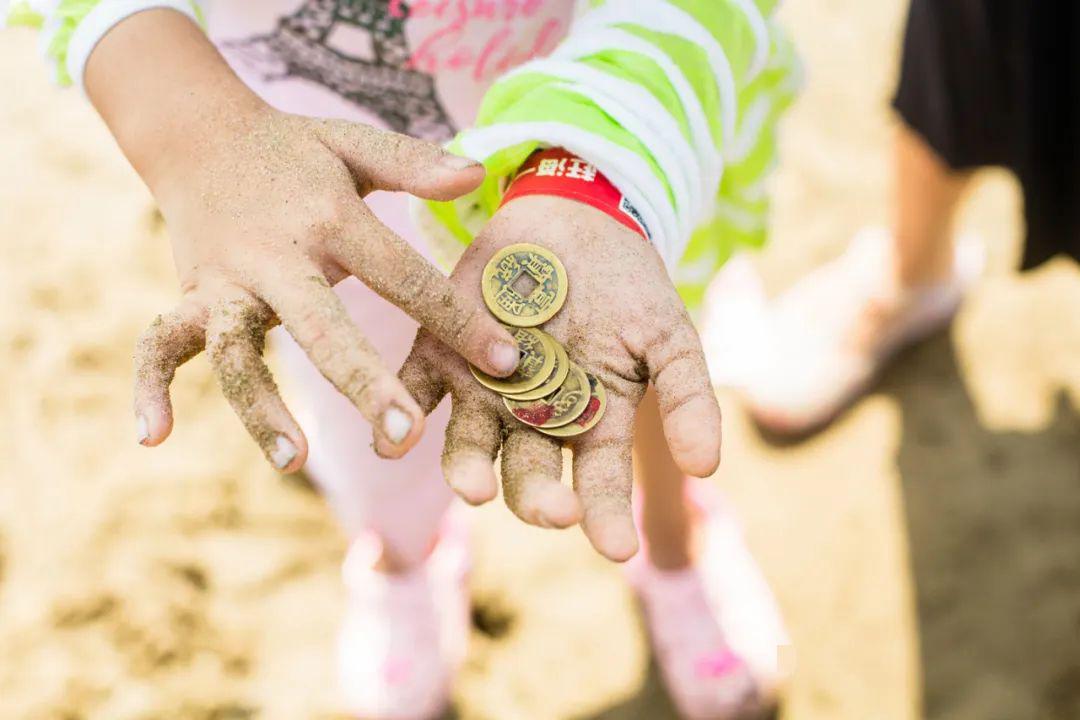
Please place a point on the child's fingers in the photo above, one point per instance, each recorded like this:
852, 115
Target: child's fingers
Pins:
235, 336
472, 442
531, 475
422, 379
422, 376
316, 317
391, 267
603, 478
688, 405
384, 160
169, 342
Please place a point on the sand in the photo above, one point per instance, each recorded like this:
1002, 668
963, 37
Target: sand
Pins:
924, 549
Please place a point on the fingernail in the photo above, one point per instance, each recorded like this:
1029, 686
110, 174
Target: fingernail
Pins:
284, 452
503, 357
396, 425
457, 162
142, 429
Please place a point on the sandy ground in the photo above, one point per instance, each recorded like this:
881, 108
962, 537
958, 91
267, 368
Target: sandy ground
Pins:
924, 549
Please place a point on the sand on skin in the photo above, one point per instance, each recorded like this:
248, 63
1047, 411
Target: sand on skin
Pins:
923, 549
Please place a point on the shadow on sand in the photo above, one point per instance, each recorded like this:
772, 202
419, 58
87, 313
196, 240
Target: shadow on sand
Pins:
651, 703
993, 521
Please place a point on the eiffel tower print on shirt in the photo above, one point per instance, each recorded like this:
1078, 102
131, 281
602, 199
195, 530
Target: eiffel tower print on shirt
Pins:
383, 83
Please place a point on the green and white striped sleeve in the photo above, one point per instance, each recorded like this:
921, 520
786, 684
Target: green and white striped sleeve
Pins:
71, 29
664, 97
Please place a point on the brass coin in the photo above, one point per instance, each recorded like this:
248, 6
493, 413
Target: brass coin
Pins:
586, 420
558, 408
558, 375
534, 367
524, 285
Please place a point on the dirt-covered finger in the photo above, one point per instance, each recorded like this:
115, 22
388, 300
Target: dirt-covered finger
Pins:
422, 374
394, 269
385, 160
235, 337
688, 405
317, 318
532, 480
169, 342
603, 479
472, 442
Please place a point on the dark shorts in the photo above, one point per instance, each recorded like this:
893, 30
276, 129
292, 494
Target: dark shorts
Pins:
997, 82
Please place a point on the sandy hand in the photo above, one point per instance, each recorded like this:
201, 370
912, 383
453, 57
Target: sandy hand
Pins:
622, 321
265, 214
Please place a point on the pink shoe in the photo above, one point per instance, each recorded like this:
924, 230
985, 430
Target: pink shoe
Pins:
799, 362
715, 628
404, 636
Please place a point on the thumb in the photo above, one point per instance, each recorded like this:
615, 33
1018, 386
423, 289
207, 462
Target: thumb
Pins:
420, 377
423, 382
384, 160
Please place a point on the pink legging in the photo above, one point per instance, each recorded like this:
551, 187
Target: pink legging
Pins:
402, 501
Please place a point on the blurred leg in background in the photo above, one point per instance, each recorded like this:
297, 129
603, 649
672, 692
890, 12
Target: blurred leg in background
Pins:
715, 627
982, 84
406, 615
926, 195
822, 343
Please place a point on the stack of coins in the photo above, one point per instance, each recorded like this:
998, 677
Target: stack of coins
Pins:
524, 286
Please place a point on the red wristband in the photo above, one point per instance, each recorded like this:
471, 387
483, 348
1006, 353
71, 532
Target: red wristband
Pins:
560, 172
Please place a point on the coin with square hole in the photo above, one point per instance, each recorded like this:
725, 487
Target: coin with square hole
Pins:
524, 285
588, 419
535, 365
560, 408
558, 375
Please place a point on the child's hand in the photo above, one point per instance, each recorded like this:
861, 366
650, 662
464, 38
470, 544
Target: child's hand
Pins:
265, 214
623, 322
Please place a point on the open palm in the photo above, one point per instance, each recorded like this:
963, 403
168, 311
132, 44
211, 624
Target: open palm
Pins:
624, 322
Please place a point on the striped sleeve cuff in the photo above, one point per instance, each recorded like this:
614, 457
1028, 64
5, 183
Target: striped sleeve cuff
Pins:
71, 29
106, 14
649, 91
